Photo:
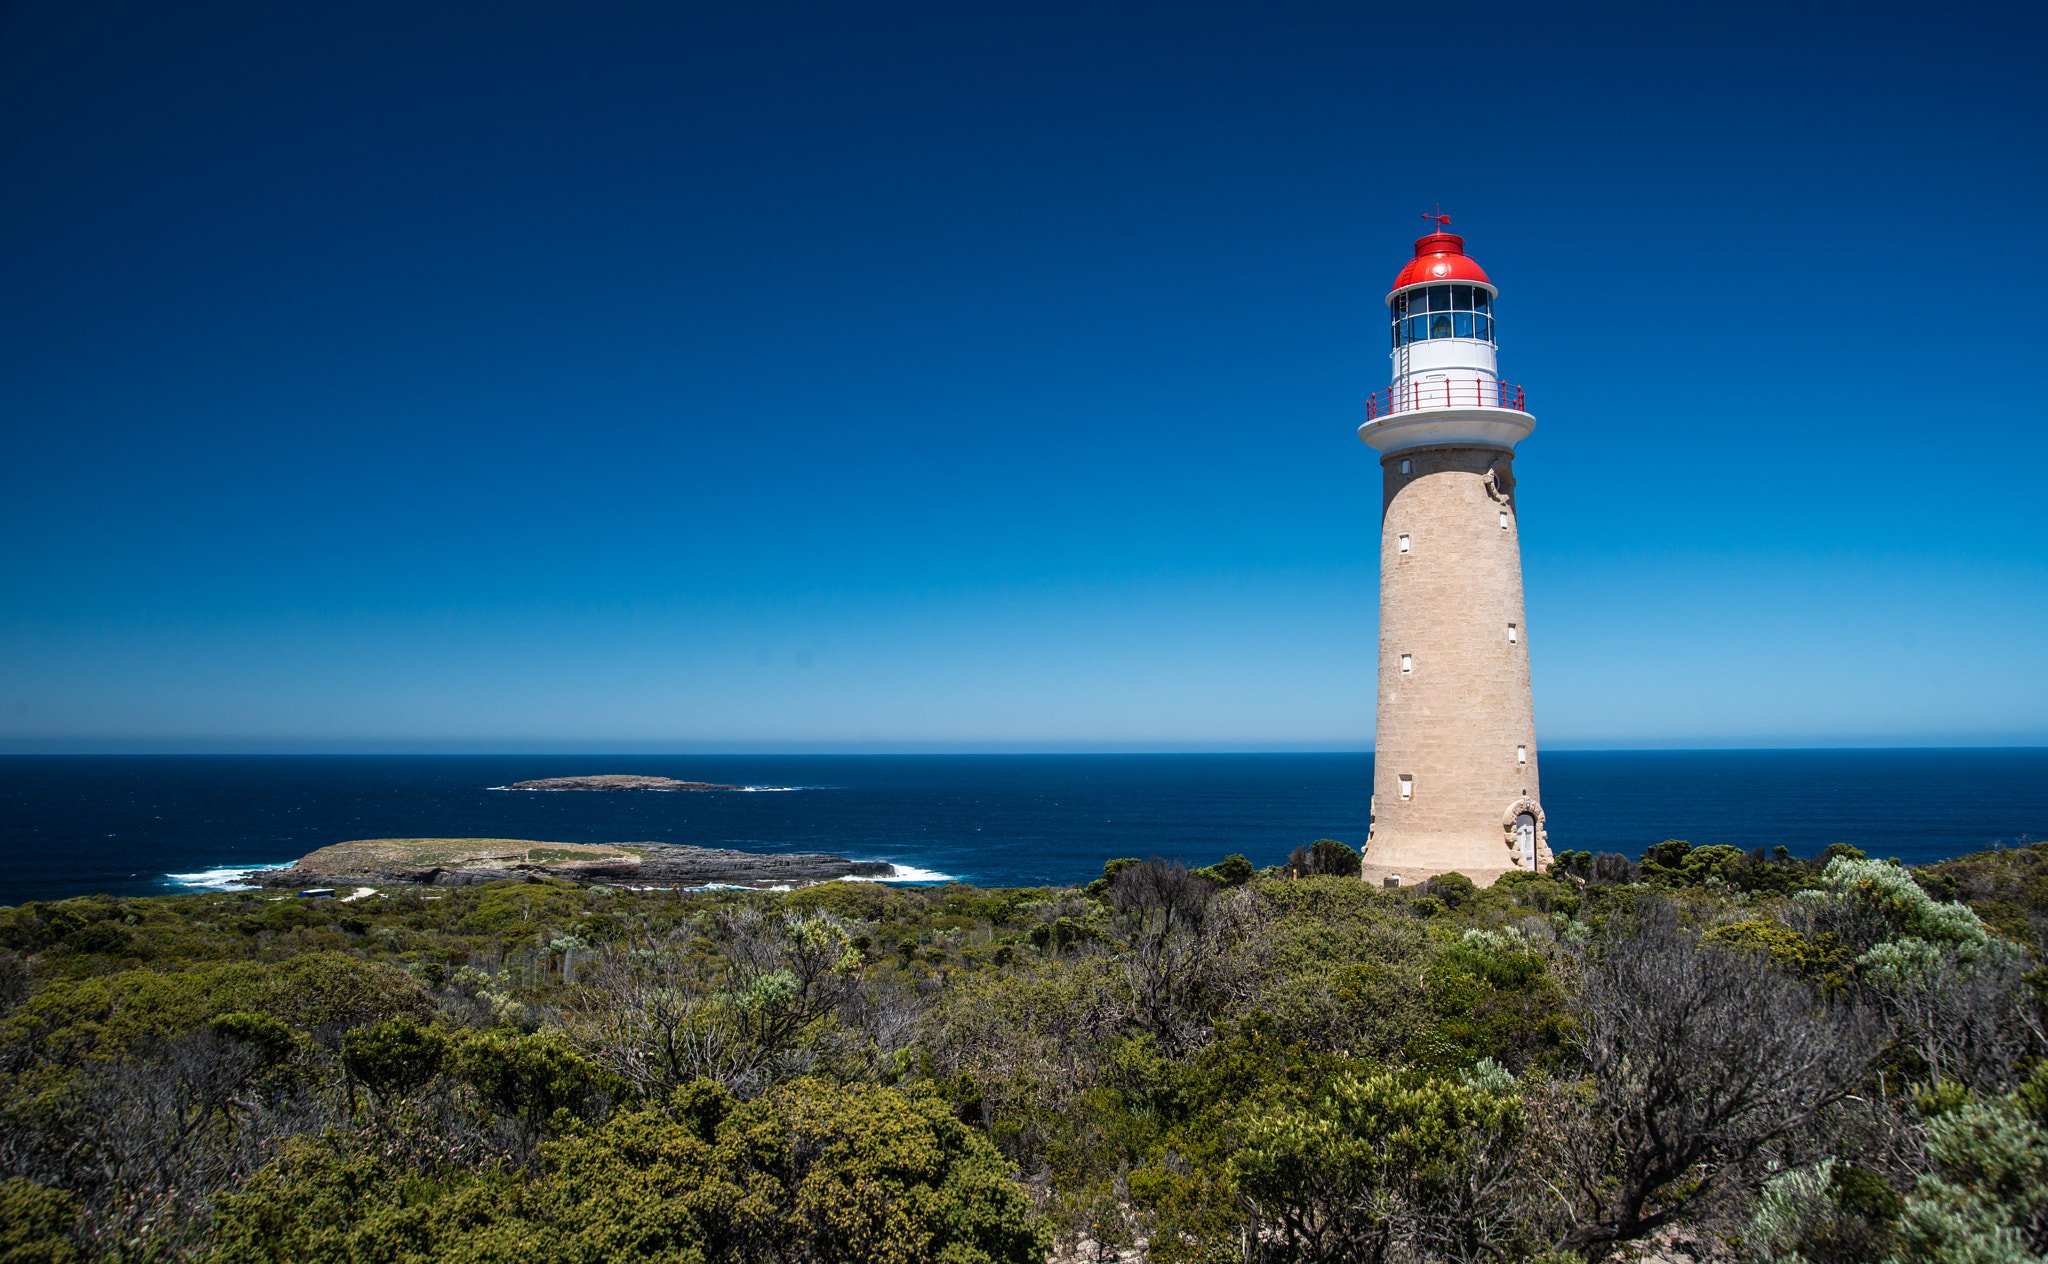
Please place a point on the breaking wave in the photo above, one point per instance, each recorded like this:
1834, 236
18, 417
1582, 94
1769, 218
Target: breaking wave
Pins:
223, 877
907, 873
654, 790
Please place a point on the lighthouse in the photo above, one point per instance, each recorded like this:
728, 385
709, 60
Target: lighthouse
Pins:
1454, 757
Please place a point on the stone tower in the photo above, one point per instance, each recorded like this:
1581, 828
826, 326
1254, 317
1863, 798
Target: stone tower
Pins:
1454, 762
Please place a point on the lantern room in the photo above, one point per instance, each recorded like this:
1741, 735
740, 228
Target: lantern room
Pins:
1443, 339
1442, 311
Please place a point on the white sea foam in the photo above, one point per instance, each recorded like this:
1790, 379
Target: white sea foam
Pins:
906, 873
224, 877
655, 789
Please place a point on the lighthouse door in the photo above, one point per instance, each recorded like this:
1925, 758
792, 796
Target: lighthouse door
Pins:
1525, 840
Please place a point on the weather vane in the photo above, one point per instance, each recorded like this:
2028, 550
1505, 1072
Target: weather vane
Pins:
1443, 221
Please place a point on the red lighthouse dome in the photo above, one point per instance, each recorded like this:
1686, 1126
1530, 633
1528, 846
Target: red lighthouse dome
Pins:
1440, 257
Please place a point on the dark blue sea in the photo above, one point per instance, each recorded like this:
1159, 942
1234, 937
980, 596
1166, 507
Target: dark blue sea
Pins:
143, 825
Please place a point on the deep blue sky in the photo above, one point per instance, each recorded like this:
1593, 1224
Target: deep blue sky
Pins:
900, 376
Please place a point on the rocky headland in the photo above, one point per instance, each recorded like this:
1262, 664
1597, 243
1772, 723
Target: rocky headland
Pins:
455, 862
617, 781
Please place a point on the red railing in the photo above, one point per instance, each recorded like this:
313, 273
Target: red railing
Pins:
1468, 393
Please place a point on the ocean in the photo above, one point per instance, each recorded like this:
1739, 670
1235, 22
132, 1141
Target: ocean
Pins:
152, 825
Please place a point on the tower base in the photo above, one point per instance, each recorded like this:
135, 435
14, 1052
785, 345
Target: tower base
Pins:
1415, 875
1415, 857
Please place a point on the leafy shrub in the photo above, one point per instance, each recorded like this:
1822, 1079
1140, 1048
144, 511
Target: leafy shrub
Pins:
1060, 934
1492, 998
1596, 868
1371, 1160
1820, 957
73, 1020
1327, 899
36, 1223
810, 1172
1675, 862
1882, 902
1455, 889
1988, 1199
1231, 871
394, 1057
1539, 891
1325, 857
861, 901
541, 1081
1837, 1213
105, 938
1110, 869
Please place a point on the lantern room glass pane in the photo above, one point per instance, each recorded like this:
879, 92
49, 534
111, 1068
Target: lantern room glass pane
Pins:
1481, 300
1440, 326
1482, 328
1418, 328
1463, 324
1439, 298
1461, 298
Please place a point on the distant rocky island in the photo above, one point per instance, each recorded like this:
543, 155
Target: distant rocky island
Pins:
473, 861
617, 781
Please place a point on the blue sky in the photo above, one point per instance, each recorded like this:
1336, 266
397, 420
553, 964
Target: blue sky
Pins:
917, 376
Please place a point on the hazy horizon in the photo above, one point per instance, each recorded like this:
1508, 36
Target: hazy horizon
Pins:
654, 750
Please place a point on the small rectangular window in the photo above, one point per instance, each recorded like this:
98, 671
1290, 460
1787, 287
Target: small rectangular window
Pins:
1407, 663
1404, 466
1461, 298
1521, 754
1407, 786
1503, 519
1461, 324
1404, 544
1512, 636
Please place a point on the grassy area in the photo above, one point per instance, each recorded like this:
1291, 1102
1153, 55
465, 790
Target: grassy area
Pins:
371, 855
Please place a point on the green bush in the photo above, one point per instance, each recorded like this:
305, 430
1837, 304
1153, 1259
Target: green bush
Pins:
1332, 859
105, 938
859, 901
812, 1171
36, 1224
394, 1057
76, 1020
1110, 869
1370, 1157
1677, 863
1329, 899
1988, 1197
1819, 957
1455, 890
1231, 871
540, 1081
